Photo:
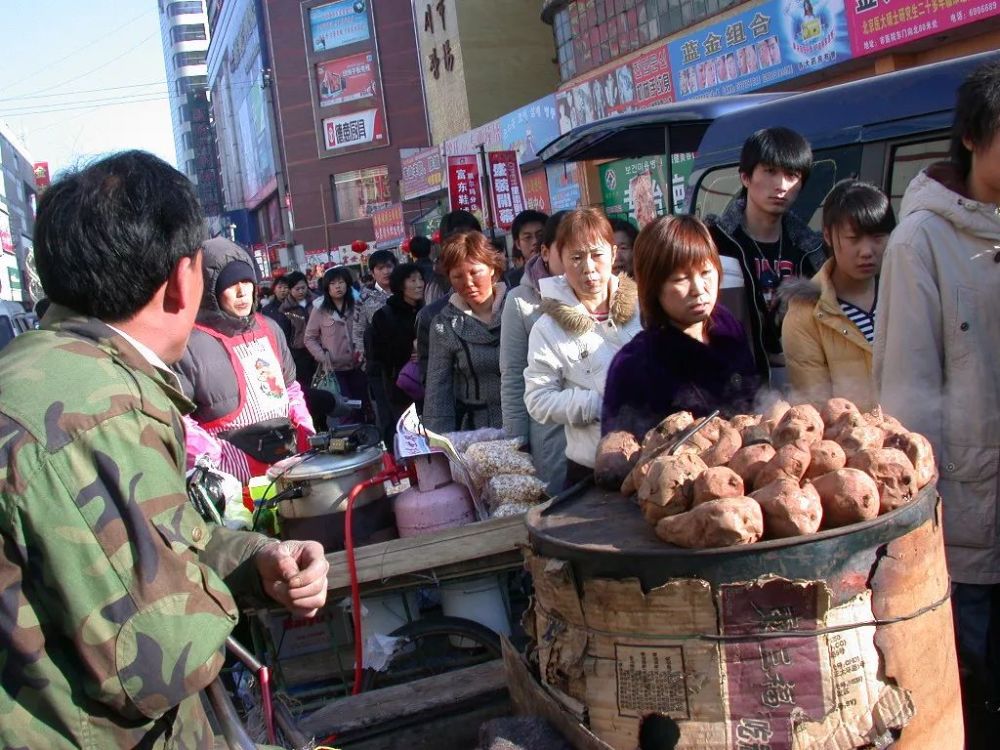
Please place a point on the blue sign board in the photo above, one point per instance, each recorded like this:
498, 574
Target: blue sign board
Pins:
530, 127
338, 24
773, 42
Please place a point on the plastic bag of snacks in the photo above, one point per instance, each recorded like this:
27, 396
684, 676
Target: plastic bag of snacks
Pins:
496, 457
512, 490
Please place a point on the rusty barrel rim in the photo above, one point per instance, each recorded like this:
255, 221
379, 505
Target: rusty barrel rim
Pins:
590, 544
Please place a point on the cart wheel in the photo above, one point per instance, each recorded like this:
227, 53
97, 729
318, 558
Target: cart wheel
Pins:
434, 646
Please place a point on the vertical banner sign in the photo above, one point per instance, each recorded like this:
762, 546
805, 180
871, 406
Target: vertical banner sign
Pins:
6, 238
877, 26
41, 170
463, 185
388, 224
505, 181
772, 42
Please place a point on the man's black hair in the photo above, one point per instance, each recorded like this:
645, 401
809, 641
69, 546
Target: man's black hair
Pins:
977, 114
859, 204
458, 221
399, 275
552, 227
626, 226
781, 148
381, 258
279, 280
109, 235
527, 217
420, 247
331, 275
294, 278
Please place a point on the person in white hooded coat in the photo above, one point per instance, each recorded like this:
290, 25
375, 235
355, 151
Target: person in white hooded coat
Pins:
589, 315
937, 354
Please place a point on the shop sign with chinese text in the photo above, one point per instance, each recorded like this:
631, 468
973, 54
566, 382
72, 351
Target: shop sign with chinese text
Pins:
388, 223
536, 191
505, 184
877, 26
355, 129
773, 42
422, 171
635, 189
528, 128
346, 79
464, 191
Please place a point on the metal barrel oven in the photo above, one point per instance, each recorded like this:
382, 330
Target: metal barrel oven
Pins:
839, 639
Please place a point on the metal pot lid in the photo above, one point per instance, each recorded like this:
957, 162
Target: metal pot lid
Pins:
314, 466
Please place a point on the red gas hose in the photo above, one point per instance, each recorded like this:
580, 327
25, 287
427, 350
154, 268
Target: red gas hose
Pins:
391, 472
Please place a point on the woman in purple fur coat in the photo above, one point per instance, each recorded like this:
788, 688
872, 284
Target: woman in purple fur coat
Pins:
692, 355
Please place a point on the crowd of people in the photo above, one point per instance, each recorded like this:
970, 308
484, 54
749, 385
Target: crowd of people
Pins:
596, 327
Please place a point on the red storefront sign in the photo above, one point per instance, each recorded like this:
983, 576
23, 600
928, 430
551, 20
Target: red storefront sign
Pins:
505, 183
651, 75
536, 191
345, 79
463, 184
388, 223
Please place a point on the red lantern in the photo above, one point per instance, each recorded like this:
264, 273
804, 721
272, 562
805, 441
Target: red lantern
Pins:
436, 237
404, 246
359, 246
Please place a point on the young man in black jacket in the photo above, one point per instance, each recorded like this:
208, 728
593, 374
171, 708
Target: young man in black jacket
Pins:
761, 242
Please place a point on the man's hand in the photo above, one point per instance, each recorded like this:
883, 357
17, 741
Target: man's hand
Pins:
293, 573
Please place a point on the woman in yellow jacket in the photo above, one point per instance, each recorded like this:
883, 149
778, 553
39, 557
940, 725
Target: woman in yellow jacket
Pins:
829, 327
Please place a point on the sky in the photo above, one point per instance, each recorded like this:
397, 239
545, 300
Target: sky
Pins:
79, 79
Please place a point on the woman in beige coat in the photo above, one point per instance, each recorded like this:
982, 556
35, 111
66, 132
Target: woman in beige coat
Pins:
829, 328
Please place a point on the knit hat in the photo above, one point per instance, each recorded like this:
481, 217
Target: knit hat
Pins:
234, 272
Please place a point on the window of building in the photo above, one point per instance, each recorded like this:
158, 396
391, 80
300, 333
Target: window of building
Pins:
189, 84
189, 58
188, 32
358, 193
591, 33
182, 8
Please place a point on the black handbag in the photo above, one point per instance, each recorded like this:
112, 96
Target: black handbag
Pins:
268, 441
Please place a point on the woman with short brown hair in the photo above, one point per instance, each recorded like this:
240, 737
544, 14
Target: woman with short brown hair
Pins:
588, 315
462, 390
692, 355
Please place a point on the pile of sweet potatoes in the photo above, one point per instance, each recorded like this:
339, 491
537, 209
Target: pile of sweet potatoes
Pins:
790, 471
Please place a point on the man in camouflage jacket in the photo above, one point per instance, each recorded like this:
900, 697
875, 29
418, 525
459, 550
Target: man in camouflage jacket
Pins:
115, 597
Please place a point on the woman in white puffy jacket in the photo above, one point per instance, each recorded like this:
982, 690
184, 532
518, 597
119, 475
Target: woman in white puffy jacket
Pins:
589, 314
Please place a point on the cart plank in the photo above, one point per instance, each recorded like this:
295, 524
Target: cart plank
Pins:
487, 544
442, 692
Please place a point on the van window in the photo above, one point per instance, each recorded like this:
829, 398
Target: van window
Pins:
7, 332
719, 186
906, 162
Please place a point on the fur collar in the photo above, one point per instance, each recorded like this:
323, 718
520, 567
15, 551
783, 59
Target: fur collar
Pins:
796, 230
576, 321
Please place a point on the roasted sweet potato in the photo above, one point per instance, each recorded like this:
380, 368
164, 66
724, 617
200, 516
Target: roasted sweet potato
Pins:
666, 431
617, 454
775, 411
801, 424
724, 447
749, 460
741, 421
848, 496
893, 473
835, 408
863, 437
756, 434
716, 482
789, 510
847, 420
667, 488
918, 449
717, 523
825, 456
790, 462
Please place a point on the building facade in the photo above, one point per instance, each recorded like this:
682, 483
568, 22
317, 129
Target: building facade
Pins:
184, 36
18, 197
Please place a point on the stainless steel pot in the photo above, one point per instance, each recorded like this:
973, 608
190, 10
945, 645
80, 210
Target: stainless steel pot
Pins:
326, 480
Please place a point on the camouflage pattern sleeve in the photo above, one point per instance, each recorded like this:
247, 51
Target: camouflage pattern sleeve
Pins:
110, 621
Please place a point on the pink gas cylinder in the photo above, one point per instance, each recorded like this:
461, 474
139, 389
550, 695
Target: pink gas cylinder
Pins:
436, 502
